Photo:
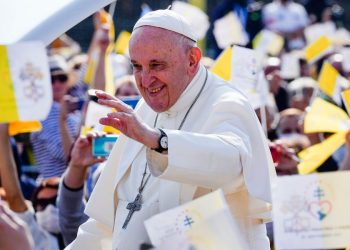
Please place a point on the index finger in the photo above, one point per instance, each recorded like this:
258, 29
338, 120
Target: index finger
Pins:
103, 95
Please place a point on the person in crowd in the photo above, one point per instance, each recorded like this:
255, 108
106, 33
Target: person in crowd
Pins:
287, 18
192, 133
301, 92
277, 86
52, 144
71, 200
126, 86
270, 120
15, 200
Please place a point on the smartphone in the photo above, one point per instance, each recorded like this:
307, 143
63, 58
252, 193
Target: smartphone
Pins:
102, 146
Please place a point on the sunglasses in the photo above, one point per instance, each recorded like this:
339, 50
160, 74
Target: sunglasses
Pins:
60, 78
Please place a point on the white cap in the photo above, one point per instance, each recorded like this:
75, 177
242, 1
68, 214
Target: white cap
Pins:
169, 20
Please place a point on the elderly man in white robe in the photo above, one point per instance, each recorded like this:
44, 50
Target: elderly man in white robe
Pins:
192, 133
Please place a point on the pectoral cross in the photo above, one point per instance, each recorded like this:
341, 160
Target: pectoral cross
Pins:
132, 207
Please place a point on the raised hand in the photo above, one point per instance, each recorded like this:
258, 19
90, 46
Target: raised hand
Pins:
81, 155
126, 120
81, 159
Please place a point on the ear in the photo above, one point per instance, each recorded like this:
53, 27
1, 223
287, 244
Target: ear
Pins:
195, 56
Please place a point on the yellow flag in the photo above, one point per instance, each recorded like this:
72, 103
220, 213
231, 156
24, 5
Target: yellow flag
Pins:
8, 112
324, 116
346, 99
222, 65
122, 43
317, 49
18, 127
312, 157
331, 82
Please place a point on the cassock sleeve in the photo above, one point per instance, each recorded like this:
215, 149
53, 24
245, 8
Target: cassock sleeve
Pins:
206, 160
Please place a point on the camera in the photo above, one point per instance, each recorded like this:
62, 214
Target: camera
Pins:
102, 146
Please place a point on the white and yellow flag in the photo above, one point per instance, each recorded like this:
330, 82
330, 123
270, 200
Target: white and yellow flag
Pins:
332, 83
25, 84
318, 49
243, 67
268, 42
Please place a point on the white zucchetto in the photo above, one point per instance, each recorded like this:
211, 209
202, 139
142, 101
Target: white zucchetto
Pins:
169, 20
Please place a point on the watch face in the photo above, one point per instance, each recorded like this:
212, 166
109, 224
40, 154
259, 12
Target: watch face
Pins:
164, 142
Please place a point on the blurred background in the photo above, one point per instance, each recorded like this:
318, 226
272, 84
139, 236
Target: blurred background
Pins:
127, 12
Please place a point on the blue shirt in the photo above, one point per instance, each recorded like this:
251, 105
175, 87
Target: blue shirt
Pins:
47, 143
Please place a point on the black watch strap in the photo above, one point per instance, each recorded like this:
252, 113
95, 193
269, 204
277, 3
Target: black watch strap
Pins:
162, 137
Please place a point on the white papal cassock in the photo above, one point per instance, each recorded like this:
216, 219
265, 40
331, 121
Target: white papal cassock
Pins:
221, 145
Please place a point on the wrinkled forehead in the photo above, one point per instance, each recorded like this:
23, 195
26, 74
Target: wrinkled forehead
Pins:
150, 33
154, 42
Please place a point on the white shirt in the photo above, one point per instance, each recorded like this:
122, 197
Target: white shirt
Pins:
284, 18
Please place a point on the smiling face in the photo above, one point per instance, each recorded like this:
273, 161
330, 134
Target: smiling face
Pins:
164, 63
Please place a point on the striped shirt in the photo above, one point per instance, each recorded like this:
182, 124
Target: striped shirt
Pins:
47, 143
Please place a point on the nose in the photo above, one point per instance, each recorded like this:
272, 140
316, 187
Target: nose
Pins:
147, 78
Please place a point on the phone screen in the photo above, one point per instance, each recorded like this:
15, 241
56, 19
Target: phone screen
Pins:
102, 146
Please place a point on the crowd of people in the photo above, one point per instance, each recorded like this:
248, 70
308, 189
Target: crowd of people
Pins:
43, 209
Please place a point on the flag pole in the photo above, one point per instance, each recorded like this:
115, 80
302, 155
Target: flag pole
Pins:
111, 9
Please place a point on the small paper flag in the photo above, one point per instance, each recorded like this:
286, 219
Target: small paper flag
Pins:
332, 83
317, 49
222, 65
312, 157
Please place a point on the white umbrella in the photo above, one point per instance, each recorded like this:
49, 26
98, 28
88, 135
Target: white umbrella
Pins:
25, 20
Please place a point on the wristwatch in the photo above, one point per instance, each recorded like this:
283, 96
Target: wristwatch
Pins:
163, 142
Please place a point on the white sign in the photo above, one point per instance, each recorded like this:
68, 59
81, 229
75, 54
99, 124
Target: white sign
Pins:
290, 66
204, 223
228, 30
94, 112
197, 18
246, 70
312, 211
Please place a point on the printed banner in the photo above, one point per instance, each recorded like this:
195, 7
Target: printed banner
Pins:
312, 211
